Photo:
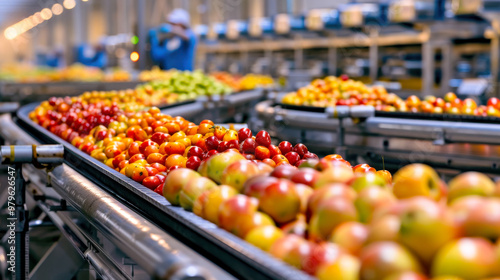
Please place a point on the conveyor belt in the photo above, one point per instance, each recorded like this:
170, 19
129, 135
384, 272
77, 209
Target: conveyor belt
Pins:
226, 250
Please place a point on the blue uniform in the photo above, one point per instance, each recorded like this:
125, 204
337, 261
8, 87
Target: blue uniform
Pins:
94, 59
174, 53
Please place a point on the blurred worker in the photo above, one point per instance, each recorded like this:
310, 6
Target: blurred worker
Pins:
56, 59
92, 56
173, 45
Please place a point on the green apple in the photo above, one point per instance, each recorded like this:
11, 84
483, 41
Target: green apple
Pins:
382, 259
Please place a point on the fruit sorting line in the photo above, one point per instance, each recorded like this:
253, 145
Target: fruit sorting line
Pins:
30, 92
451, 144
81, 181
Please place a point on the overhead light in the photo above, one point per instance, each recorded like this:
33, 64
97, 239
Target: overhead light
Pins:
10, 33
38, 17
69, 4
46, 13
134, 56
57, 9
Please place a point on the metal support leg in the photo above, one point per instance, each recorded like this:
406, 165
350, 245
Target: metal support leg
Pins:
21, 226
427, 69
340, 149
495, 62
332, 61
373, 55
446, 67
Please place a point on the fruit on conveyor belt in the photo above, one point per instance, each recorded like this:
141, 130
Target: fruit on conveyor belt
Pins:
189, 85
323, 216
247, 82
336, 91
74, 73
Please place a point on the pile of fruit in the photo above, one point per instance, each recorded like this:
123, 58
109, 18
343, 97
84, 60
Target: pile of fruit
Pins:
323, 216
155, 74
247, 82
75, 72
332, 91
338, 222
450, 104
190, 84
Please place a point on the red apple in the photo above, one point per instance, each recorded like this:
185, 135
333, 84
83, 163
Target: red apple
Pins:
262, 152
284, 171
248, 146
382, 259
320, 255
285, 147
328, 215
300, 149
350, 236
292, 157
263, 138
244, 133
288, 207
306, 176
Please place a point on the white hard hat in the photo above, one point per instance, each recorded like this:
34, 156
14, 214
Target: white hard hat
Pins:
179, 16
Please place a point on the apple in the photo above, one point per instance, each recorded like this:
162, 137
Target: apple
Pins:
382, 259
408, 275
467, 258
219, 162
208, 203
306, 176
264, 237
350, 236
321, 254
285, 147
212, 143
264, 168
263, 138
470, 183
274, 150
283, 247
285, 193
193, 162
328, 215
424, 221
417, 180
478, 216
337, 173
237, 173
386, 175
346, 267
370, 199
237, 212
363, 168
262, 152
327, 192
292, 157
194, 188
363, 180
303, 163
310, 155
384, 229
255, 186
284, 171
300, 149
195, 151
174, 183
244, 133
